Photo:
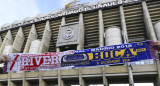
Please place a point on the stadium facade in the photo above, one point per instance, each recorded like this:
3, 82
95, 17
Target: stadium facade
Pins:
138, 20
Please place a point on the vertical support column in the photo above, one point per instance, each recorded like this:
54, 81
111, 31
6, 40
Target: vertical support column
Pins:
156, 82
125, 37
32, 36
60, 81
158, 68
18, 42
123, 24
41, 81
81, 80
8, 40
151, 33
101, 28
25, 82
148, 22
46, 38
131, 81
63, 22
1, 84
0, 41
105, 81
81, 27
10, 83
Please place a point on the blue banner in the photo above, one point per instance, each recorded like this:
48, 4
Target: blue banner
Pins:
110, 54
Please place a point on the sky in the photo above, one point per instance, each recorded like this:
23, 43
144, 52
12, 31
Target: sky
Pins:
11, 10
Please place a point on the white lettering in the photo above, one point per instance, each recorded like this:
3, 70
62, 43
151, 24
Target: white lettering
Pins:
46, 60
25, 61
55, 59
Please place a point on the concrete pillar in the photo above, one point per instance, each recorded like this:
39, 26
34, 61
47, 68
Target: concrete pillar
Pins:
63, 22
25, 82
60, 81
151, 32
158, 76
41, 81
18, 42
81, 27
32, 36
8, 40
156, 82
46, 38
10, 83
131, 80
105, 81
148, 22
123, 24
35, 46
0, 41
101, 28
157, 30
81, 80
113, 36
1, 84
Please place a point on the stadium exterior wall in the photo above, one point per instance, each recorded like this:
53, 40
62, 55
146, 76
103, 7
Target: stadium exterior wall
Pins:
135, 19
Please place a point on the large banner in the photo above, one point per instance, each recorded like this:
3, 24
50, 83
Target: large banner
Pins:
89, 57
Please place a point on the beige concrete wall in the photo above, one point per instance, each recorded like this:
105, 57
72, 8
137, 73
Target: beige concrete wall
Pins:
32, 74
46, 38
63, 22
8, 40
32, 36
18, 42
82, 31
105, 71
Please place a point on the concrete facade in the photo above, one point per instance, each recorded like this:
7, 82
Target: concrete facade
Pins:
105, 73
136, 24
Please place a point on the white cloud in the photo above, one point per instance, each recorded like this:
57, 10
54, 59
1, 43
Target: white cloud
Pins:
11, 10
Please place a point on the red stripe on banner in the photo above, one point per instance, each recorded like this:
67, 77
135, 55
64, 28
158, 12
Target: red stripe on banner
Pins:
14, 62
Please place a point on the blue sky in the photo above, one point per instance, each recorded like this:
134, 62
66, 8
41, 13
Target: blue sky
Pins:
11, 10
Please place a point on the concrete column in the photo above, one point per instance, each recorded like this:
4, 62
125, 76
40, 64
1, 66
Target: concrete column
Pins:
158, 67
60, 81
32, 36
41, 81
81, 80
148, 22
101, 28
8, 40
18, 42
156, 82
150, 32
105, 81
0, 41
25, 82
123, 24
63, 22
1, 84
46, 38
131, 80
81, 27
10, 83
